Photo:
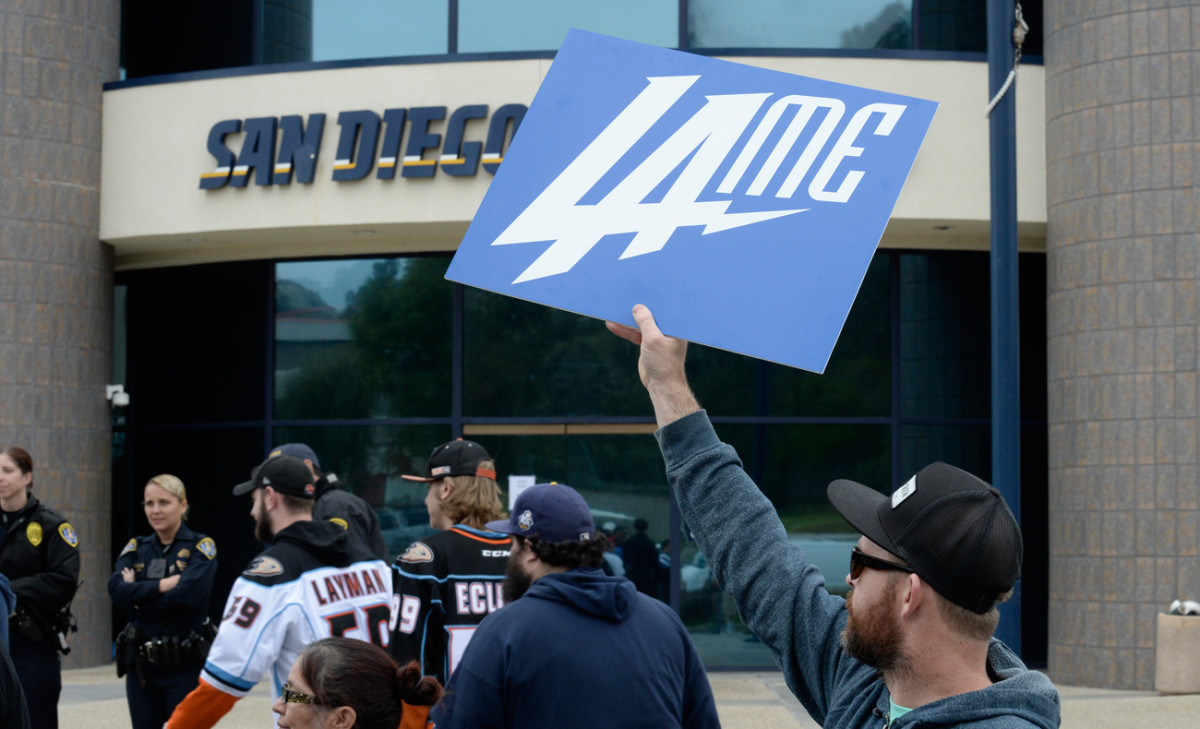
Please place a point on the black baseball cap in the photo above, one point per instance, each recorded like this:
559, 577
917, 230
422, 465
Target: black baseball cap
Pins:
456, 458
951, 527
285, 474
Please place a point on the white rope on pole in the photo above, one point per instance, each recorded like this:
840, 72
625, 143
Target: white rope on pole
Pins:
1012, 76
1020, 30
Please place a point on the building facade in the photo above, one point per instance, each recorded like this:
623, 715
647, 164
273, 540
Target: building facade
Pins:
250, 234
1121, 331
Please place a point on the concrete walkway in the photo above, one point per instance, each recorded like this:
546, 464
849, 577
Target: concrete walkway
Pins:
95, 697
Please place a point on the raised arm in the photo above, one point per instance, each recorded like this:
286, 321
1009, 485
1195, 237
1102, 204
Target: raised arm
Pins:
781, 596
661, 367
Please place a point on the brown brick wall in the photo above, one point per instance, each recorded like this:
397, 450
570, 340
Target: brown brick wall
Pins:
56, 276
1122, 323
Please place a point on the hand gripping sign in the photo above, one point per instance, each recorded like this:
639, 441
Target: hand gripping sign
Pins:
741, 205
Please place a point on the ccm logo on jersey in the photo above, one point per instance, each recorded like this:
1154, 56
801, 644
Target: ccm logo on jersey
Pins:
477, 598
494, 552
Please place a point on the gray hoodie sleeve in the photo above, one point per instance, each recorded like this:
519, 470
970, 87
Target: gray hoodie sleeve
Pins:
780, 596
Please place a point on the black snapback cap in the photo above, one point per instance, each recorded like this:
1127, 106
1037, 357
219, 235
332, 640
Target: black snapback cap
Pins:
285, 474
457, 458
951, 527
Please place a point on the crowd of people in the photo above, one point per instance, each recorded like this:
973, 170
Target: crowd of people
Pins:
482, 624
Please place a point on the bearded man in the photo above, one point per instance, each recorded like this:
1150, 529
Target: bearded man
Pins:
625, 658
913, 643
311, 583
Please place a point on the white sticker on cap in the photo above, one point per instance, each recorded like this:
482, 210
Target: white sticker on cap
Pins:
904, 492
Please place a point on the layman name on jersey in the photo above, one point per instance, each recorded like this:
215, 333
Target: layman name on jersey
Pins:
645, 175
347, 585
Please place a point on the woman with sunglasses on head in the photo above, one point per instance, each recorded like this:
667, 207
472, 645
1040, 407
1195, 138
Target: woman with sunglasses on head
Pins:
162, 582
342, 683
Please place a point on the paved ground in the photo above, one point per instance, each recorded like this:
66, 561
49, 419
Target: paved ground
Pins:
95, 698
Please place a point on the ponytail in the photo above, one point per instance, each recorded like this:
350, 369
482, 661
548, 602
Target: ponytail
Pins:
416, 689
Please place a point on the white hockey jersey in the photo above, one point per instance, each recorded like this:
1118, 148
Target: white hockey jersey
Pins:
311, 584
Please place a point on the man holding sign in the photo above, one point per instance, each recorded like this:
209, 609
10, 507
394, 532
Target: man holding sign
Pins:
934, 562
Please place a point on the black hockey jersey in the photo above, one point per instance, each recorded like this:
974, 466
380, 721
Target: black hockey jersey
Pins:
444, 586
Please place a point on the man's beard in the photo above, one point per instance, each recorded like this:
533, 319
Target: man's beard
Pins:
872, 635
516, 582
263, 531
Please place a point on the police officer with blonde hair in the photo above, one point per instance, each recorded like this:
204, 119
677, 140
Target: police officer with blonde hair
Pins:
163, 581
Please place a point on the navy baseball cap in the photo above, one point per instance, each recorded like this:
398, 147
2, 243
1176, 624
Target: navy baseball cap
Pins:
951, 527
296, 450
456, 458
552, 512
285, 474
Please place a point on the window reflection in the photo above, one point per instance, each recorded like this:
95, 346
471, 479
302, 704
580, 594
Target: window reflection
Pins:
858, 379
378, 28
529, 360
541, 25
945, 335
620, 476
792, 465
967, 446
800, 24
362, 338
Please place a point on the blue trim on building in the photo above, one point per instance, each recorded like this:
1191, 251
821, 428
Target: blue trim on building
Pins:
219, 73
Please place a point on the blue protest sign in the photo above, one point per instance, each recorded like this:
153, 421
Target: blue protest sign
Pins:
742, 205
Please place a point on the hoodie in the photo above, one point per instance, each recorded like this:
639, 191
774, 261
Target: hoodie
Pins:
579, 649
313, 582
783, 600
8, 602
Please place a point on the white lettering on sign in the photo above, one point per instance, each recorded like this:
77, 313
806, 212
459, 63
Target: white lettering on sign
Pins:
704, 142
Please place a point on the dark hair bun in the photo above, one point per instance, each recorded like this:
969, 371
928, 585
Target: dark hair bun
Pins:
415, 689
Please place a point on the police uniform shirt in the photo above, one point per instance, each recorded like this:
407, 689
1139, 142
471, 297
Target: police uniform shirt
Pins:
445, 586
179, 610
40, 556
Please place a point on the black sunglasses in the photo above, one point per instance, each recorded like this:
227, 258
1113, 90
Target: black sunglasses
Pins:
295, 697
860, 561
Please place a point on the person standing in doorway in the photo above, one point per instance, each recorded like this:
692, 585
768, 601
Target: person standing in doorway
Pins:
641, 559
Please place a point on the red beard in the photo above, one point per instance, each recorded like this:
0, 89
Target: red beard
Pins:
873, 635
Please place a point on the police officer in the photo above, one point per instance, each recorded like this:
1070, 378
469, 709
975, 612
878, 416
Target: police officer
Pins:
39, 554
163, 582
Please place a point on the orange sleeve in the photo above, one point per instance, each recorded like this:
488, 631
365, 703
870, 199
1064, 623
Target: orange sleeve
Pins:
415, 717
201, 709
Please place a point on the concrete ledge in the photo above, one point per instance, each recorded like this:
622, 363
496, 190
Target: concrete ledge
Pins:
1177, 654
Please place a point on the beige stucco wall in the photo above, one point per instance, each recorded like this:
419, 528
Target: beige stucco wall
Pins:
154, 151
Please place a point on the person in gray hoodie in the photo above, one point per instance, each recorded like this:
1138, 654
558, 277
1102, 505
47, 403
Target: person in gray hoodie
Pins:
912, 644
